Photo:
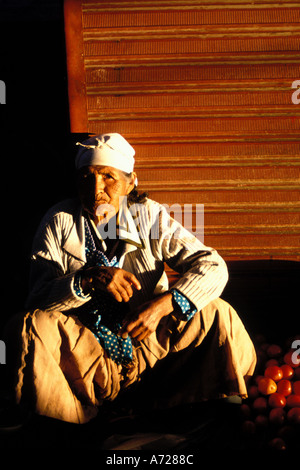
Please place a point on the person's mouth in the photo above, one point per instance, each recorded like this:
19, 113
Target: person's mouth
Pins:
101, 199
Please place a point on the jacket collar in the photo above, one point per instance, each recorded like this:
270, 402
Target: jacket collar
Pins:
126, 230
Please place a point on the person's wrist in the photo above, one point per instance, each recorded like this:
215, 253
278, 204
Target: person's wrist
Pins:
166, 304
86, 282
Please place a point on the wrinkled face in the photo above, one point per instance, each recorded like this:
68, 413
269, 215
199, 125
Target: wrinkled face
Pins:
102, 185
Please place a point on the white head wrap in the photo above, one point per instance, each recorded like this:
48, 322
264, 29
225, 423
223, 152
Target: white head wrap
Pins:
108, 150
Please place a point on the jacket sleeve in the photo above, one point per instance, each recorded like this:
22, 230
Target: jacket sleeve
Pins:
51, 285
203, 272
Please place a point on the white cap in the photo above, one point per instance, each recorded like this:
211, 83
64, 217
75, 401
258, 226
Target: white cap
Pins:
107, 150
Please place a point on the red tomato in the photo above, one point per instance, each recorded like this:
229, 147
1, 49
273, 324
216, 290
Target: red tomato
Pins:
292, 358
257, 378
293, 401
245, 410
260, 405
253, 392
266, 386
277, 443
271, 362
293, 415
284, 387
274, 350
296, 387
248, 427
277, 400
261, 421
274, 372
287, 371
277, 416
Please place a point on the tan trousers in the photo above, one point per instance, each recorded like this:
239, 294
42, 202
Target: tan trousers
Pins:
61, 370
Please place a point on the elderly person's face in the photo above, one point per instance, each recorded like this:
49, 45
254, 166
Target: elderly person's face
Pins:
102, 185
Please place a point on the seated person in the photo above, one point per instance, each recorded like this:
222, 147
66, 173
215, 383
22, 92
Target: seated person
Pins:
100, 314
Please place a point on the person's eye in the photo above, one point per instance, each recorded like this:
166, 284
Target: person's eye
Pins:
108, 176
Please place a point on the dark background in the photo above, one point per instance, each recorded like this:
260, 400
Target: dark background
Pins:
37, 149
37, 169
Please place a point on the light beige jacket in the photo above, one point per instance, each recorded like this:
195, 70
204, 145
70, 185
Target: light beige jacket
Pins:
59, 252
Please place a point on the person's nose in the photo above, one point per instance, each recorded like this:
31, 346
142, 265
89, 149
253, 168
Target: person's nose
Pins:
99, 184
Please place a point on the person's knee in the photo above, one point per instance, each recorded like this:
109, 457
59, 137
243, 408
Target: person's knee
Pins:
44, 321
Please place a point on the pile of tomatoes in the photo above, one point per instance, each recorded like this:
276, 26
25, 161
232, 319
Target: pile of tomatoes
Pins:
272, 411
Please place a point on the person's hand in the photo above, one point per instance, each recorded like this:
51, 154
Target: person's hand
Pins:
116, 281
146, 318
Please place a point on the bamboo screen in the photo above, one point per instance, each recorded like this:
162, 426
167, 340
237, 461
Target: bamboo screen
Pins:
203, 91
